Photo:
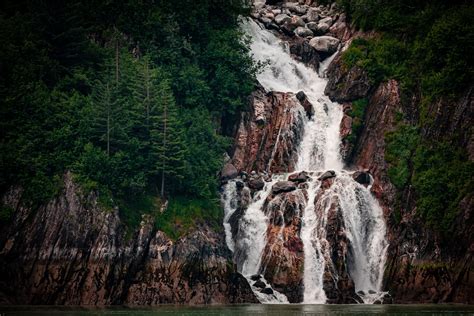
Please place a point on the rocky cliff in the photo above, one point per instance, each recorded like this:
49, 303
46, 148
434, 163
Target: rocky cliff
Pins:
73, 252
421, 266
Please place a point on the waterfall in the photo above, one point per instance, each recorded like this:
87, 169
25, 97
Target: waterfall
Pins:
318, 151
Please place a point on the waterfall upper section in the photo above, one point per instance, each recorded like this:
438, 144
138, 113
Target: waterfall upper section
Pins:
301, 227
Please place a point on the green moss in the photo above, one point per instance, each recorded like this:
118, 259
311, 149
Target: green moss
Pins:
357, 113
186, 214
426, 47
441, 175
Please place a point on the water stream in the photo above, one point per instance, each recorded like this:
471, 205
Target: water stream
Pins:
319, 150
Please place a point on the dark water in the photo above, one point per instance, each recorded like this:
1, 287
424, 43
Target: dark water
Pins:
283, 310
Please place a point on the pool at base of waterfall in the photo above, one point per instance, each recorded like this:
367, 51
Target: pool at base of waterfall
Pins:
231, 310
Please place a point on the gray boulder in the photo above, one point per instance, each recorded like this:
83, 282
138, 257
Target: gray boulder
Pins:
229, 172
282, 18
328, 20
303, 31
283, 186
325, 44
312, 15
256, 184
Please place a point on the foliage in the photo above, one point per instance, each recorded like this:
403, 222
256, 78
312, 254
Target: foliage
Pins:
424, 44
441, 174
92, 86
357, 113
401, 146
185, 214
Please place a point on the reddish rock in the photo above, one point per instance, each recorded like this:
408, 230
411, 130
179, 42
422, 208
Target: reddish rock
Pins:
271, 146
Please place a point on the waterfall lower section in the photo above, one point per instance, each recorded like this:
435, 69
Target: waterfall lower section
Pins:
316, 235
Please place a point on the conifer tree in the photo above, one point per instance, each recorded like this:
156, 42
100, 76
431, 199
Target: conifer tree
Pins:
167, 141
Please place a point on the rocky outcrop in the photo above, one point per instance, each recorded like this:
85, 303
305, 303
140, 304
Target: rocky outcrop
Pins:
72, 252
313, 31
419, 267
269, 133
346, 84
283, 257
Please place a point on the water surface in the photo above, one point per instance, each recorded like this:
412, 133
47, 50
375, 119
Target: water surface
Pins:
231, 310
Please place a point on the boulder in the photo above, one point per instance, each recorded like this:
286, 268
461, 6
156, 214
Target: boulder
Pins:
308, 107
363, 178
299, 177
312, 15
260, 284
295, 8
282, 19
256, 183
239, 184
283, 186
255, 277
328, 20
267, 290
327, 175
325, 44
321, 29
303, 31
302, 51
290, 26
313, 26
229, 172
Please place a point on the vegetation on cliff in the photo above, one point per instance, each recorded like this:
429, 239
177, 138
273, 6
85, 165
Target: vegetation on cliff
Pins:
128, 95
426, 46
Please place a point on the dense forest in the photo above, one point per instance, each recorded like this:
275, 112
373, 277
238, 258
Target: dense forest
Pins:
134, 98
129, 96
427, 47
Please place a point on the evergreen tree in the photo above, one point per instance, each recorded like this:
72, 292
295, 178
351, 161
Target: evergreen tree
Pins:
167, 142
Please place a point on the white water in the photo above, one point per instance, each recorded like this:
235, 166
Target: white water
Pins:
318, 152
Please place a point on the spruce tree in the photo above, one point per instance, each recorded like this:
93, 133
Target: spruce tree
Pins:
168, 148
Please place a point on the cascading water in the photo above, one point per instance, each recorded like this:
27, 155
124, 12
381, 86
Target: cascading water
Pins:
318, 151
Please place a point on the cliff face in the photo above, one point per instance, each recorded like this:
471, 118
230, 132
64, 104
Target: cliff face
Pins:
72, 252
421, 267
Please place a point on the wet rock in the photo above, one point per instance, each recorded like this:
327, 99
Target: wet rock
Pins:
239, 184
327, 20
372, 292
229, 172
312, 15
361, 293
327, 175
282, 19
294, 244
256, 184
346, 84
298, 177
260, 284
321, 28
361, 177
377, 302
283, 186
255, 277
303, 31
308, 107
254, 147
267, 290
302, 51
325, 44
